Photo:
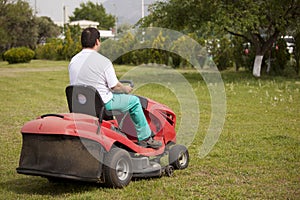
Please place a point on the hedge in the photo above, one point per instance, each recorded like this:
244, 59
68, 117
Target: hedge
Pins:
18, 55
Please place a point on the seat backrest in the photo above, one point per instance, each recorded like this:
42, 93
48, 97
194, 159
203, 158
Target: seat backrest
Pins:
85, 99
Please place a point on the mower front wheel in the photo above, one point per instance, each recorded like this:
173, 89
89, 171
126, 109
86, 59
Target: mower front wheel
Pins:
117, 168
179, 156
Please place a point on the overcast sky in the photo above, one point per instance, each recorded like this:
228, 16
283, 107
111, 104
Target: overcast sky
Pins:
54, 8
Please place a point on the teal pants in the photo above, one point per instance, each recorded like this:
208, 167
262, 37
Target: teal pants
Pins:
131, 104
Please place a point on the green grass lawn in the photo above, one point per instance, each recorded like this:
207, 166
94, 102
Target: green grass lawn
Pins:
256, 157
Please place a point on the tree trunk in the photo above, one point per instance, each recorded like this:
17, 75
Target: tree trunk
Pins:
262, 46
257, 65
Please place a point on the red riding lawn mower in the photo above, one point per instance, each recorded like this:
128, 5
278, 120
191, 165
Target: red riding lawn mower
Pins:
95, 145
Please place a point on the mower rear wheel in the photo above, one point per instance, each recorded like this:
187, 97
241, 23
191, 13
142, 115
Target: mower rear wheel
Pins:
117, 168
179, 157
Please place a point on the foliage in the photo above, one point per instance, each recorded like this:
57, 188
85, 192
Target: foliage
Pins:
221, 51
185, 15
51, 50
70, 47
46, 29
94, 12
132, 50
59, 49
258, 22
243, 54
18, 26
123, 28
18, 55
280, 57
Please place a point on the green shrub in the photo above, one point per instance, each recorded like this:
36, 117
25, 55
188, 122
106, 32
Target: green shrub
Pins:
290, 69
58, 49
52, 50
280, 57
18, 55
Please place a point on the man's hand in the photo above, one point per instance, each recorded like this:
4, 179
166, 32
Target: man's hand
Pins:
120, 88
127, 89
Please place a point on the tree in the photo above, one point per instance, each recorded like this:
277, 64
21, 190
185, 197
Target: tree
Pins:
187, 16
17, 22
258, 22
46, 29
71, 46
3, 32
94, 12
123, 28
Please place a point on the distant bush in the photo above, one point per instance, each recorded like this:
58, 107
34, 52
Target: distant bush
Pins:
58, 49
52, 50
280, 57
290, 69
18, 55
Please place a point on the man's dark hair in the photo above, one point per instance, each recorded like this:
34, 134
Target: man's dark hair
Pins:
89, 37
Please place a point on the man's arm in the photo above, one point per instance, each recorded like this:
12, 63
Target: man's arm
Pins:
120, 88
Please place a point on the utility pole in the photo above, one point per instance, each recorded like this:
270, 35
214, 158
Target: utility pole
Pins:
143, 7
143, 15
65, 14
64, 19
35, 11
116, 19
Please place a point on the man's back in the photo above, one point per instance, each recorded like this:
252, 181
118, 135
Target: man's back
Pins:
89, 67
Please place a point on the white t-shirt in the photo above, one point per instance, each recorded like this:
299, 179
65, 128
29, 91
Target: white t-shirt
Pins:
88, 67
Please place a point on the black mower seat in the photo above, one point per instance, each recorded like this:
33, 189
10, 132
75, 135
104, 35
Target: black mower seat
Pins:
87, 100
